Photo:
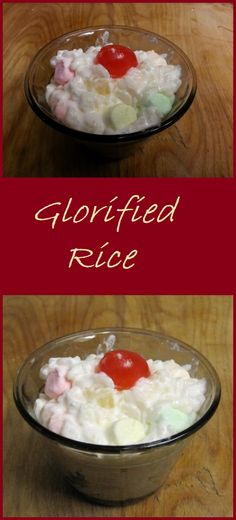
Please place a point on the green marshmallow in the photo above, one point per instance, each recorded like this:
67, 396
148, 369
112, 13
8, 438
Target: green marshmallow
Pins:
175, 418
161, 102
122, 115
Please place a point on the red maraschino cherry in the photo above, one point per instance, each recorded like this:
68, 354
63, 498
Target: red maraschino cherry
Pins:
117, 59
125, 368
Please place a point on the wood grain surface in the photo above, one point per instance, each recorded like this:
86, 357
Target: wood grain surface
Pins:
199, 145
200, 485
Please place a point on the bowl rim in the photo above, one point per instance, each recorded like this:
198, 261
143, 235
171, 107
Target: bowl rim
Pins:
109, 138
118, 449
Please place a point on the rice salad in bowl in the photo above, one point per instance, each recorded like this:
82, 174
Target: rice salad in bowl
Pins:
114, 404
118, 398
111, 89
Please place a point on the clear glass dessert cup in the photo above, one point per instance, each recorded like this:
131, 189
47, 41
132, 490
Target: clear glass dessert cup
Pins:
112, 474
120, 145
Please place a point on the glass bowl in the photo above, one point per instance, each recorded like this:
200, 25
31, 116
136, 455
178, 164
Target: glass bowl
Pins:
111, 474
120, 145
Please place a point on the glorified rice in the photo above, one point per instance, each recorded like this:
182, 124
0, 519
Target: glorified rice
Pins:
93, 92
143, 401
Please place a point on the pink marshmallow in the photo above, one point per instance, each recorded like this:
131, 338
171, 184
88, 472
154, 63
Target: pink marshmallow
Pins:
56, 384
55, 98
62, 73
60, 110
55, 423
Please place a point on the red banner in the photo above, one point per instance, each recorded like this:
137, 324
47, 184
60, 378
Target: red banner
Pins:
98, 236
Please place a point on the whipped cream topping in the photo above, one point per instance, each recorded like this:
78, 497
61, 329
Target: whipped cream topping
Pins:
81, 404
82, 94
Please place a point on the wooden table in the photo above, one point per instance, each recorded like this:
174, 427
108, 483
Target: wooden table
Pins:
200, 485
199, 145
